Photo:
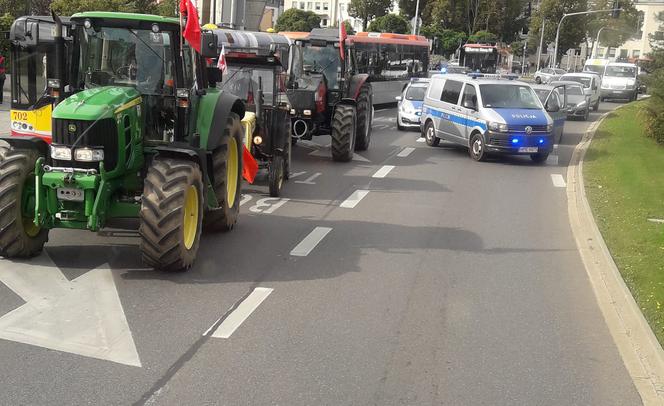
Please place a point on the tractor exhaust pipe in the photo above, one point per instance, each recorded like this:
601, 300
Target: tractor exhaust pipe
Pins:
300, 128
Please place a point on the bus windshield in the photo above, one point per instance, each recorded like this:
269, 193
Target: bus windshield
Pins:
509, 97
125, 57
483, 59
323, 60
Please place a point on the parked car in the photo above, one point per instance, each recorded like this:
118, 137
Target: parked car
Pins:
577, 102
409, 104
620, 81
547, 75
487, 116
591, 85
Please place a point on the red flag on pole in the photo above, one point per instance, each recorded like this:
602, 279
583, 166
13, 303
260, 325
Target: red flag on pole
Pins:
250, 166
221, 63
342, 34
192, 29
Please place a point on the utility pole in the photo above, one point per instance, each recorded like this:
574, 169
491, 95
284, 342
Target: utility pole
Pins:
417, 11
555, 53
539, 50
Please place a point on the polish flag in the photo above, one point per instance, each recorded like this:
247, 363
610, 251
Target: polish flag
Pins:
221, 62
192, 29
342, 35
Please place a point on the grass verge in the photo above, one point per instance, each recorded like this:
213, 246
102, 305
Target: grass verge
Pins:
624, 179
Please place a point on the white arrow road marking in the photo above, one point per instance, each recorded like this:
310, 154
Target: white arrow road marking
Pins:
325, 152
382, 172
242, 312
310, 241
296, 174
310, 179
421, 139
83, 316
354, 199
405, 152
558, 180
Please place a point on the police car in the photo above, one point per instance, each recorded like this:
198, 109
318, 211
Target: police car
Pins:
409, 106
487, 115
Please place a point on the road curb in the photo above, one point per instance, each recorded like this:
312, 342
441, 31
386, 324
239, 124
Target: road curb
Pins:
640, 351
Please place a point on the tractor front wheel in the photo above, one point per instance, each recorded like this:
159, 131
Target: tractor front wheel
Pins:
227, 178
343, 133
364, 117
171, 214
19, 236
276, 175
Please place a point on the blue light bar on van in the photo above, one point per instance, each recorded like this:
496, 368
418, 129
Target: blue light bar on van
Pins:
475, 75
512, 76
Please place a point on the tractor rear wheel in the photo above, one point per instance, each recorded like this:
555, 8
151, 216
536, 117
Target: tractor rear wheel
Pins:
364, 118
227, 178
171, 214
19, 236
343, 133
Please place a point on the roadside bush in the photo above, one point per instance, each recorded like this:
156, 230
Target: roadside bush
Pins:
653, 112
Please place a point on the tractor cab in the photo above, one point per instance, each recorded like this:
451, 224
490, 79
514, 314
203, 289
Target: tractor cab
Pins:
38, 67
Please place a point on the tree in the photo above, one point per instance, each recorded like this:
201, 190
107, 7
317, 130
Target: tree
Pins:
445, 42
407, 8
297, 20
367, 10
483, 37
572, 31
349, 28
614, 31
390, 23
653, 113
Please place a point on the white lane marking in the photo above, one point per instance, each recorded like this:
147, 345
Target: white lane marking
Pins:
354, 199
421, 139
296, 174
558, 180
83, 316
310, 242
268, 205
245, 199
325, 153
310, 179
405, 152
242, 312
552, 160
382, 172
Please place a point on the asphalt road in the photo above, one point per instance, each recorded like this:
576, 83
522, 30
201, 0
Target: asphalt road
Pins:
450, 282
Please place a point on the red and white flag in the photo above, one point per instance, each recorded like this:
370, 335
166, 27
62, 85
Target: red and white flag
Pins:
342, 35
192, 29
221, 62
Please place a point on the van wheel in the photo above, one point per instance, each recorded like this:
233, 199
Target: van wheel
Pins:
430, 135
476, 148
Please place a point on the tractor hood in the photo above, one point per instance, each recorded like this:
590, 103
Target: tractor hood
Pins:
96, 103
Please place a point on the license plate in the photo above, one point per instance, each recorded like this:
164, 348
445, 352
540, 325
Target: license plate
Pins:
617, 91
528, 150
70, 194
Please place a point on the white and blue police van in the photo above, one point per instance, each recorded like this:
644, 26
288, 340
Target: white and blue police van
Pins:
487, 115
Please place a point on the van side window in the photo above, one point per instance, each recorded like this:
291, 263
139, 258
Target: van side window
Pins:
469, 97
435, 89
451, 91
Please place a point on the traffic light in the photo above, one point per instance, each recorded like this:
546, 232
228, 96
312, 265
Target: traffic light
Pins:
616, 10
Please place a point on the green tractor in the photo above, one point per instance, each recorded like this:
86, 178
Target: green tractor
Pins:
144, 134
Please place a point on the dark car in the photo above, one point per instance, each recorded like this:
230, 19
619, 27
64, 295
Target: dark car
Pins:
577, 101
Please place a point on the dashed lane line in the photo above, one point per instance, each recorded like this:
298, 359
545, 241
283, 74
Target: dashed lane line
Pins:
405, 152
354, 199
310, 242
242, 312
558, 180
382, 172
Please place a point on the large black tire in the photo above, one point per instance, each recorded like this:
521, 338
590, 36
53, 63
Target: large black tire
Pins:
275, 175
168, 242
343, 133
19, 237
225, 216
476, 148
364, 118
539, 157
430, 135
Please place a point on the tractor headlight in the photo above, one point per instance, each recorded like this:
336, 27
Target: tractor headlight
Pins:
89, 155
60, 153
501, 127
306, 112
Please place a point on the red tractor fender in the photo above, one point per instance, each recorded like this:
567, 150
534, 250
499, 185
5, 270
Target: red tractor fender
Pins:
356, 83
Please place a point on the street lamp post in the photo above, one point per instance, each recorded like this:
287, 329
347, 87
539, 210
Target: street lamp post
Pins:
539, 50
596, 45
417, 11
555, 53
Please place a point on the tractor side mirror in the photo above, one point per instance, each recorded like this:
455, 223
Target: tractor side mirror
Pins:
214, 75
209, 45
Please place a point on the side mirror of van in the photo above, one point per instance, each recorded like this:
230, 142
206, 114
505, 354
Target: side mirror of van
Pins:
469, 104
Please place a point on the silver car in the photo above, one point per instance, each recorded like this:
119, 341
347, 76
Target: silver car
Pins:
547, 75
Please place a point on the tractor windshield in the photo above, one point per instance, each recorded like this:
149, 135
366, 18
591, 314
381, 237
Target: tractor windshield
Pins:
245, 82
323, 60
125, 57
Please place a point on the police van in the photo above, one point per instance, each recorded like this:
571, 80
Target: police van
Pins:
488, 115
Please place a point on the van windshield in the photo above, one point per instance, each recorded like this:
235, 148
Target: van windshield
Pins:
621, 71
509, 97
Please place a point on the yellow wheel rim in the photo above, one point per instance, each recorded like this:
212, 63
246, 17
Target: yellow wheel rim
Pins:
232, 169
30, 228
190, 221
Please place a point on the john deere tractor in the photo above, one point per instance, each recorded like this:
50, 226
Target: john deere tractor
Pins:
329, 96
144, 134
